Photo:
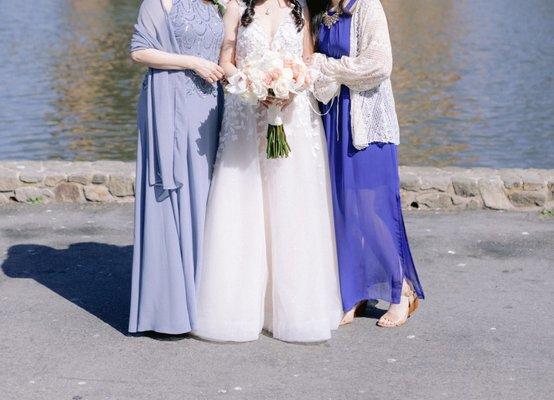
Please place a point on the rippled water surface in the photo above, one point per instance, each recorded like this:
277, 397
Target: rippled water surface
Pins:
473, 80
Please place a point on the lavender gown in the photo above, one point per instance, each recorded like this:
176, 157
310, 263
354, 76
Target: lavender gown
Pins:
372, 247
178, 119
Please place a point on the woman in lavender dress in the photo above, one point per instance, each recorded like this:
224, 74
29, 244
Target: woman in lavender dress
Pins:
354, 57
178, 120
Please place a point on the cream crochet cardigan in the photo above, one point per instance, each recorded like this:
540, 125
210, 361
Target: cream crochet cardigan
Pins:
366, 72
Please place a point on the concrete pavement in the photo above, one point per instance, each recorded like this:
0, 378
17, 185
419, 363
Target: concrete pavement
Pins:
485, 331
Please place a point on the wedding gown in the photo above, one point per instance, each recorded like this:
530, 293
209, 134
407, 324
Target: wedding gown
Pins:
269, 248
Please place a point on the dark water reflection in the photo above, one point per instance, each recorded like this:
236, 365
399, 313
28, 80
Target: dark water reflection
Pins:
473, 80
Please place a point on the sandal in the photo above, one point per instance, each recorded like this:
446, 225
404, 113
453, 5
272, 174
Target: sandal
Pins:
386, 321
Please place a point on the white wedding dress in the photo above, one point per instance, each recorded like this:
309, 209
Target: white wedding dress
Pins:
269, 254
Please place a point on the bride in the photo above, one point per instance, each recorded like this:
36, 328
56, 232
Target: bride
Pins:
269, 254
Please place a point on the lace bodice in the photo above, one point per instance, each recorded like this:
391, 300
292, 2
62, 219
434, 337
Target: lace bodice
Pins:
198, 29
255, 38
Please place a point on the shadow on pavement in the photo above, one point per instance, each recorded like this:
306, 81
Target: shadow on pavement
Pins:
94, 276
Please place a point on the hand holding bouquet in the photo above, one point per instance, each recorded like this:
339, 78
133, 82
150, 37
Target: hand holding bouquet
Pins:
269, 76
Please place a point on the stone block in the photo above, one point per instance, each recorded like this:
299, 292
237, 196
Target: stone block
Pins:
493, 194
9, 180
53, 178
121, 185
5, 197
435, 201
125, 199
459, 201
33, 195
512, 179
31, 176
410, 182
100, 178
82, 177
69, 193
97, 193
407, 198
475, 203
533, 181
528, 198
440, 182
465, 186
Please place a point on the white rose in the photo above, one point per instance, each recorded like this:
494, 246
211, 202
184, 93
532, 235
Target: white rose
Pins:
281, 89
258, 89
287, 74
237, 84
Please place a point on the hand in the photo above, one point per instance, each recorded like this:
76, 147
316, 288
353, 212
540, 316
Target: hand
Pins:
276, 102
269, 101
284, 103
207, 70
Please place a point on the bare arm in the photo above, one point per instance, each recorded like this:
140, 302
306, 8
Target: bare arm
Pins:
158, 59
308, 37
231, 21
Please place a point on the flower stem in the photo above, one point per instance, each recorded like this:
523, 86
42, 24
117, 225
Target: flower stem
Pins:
277, 145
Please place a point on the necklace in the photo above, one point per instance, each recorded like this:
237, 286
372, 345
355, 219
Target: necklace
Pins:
269, 8
330, 20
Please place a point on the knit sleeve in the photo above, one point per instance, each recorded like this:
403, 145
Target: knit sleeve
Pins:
373, 63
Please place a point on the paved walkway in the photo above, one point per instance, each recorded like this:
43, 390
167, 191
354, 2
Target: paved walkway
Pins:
485, 332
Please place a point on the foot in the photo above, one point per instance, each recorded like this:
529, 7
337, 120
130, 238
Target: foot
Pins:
354, 312
398, 314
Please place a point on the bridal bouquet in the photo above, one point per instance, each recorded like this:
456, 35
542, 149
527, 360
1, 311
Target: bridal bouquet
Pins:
270, 75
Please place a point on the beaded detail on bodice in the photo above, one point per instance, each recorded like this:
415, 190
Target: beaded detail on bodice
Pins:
198, 29
254, 38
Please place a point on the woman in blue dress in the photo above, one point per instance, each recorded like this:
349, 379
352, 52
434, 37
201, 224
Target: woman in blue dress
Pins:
355, 60
179, 114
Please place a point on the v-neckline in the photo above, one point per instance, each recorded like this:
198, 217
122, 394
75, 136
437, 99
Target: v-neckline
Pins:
270, 37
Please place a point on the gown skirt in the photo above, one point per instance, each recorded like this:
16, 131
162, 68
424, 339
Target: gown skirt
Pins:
169, 224
270, 259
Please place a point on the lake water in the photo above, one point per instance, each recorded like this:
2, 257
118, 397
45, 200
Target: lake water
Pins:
473, 80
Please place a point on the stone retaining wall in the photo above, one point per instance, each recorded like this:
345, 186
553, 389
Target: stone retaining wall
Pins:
422, 188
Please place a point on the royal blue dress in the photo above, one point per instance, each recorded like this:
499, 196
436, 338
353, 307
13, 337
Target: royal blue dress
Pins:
372, 246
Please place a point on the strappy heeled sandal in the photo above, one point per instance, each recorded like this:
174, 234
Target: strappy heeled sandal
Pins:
356, 311
413, 303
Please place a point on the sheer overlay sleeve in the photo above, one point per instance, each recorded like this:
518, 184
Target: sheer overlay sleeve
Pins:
157, 101
373, 62
150, 21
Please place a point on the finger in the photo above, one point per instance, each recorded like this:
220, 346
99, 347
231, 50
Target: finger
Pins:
220, 70
218, 74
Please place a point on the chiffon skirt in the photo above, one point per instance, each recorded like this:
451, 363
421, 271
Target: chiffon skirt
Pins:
270, 258
372, 245
169, 224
